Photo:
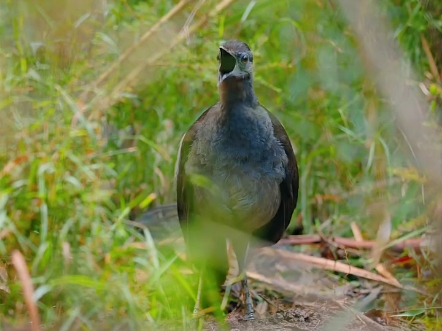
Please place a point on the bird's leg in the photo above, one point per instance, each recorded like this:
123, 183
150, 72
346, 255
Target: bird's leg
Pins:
242, 277
197, 307
241, 250
250, 315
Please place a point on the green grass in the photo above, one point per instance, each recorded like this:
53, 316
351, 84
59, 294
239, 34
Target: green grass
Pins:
74, 166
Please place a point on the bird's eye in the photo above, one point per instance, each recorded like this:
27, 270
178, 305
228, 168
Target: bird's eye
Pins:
244, 58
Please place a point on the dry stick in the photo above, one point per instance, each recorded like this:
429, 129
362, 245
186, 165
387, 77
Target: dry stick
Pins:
347, 242
131, 77
356, 232
329, 265
28, 289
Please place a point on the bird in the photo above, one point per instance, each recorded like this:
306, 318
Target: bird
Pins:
236, 177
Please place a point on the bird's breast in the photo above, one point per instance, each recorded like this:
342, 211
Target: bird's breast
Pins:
239, 200
244, 169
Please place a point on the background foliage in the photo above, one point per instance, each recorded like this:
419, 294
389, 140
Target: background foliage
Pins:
79, 157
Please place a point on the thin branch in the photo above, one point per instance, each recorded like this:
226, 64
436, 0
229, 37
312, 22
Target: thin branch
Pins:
327, 264
349, 242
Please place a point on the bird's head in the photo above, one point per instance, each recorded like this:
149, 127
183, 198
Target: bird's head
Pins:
235, 61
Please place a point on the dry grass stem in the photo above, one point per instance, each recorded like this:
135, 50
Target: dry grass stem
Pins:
28, 288
132, 76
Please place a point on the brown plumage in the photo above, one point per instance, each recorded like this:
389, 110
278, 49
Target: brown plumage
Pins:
237, 175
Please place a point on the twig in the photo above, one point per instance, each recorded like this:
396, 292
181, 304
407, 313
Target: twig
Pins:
348, 242
28, 289
330, 265
356, 232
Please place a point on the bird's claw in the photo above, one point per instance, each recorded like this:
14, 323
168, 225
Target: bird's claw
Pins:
250, 316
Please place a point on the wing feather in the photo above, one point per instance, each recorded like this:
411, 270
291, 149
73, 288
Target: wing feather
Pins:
183, 184
274, 230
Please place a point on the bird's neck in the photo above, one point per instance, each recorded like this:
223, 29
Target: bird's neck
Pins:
235, 91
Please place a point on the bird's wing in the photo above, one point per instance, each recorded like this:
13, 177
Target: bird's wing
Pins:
274, 230
213, 245
183, 184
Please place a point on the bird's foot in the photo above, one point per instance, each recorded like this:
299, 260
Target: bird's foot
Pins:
250, 316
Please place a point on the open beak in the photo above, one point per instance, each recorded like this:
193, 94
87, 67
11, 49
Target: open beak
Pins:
227, 64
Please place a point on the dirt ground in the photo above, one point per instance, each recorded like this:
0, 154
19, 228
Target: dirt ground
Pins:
283, 312
326, 317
